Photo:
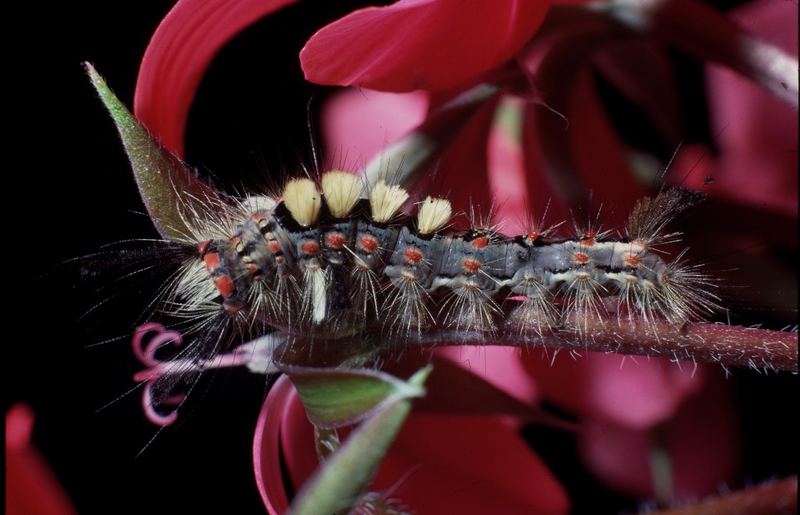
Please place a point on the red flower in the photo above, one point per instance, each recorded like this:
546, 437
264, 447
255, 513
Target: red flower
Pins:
627, 411
467, 463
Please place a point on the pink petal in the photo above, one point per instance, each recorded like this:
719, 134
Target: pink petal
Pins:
181, 49
756, 132
31, 486
638, 393
443, 464
267, 446
420, 44
358, 124
297, 441
701, 441
506, 163
499, 367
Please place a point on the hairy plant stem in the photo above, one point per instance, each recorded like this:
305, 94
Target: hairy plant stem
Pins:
692, 343
769, 498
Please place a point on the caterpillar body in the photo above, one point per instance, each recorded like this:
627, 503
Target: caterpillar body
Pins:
345, 262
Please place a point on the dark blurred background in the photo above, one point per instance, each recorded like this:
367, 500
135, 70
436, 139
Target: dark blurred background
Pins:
74, 192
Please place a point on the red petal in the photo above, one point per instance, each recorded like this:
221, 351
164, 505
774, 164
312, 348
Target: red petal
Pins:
638, 393
460, 172
181, 49
499, 367
756, 132
31, 487
441, 464
600, 155
469, 464
420, 44
641, 71
701, 442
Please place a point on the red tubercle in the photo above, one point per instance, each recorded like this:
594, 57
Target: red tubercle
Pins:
309, 247
335, 240
631, 259
481, 242
224, 285
274, 247
413, 255
211, 259
471, 265
368, 243
581, 258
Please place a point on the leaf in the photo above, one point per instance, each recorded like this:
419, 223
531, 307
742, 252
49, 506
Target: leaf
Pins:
168, 188
337, 483
339, 397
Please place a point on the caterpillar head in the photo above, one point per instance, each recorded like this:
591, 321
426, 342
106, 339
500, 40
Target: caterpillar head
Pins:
251, 256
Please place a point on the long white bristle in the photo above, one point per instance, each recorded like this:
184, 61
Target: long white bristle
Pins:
315, 300
385, 201
302, 200
342, 191
434, 213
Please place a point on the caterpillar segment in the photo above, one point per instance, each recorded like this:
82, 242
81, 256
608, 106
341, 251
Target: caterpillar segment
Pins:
344, 261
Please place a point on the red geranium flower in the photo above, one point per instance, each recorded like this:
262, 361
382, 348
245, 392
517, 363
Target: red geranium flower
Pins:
626, 411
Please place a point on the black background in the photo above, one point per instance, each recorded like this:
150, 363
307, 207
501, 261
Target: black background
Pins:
71, 190
75, 193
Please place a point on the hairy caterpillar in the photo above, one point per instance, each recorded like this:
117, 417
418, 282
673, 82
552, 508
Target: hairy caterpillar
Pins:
330, 264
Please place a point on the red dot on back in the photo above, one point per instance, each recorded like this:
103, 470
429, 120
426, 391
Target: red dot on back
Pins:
368, 243
631, 260
481, 242
211, 260
309, 247
580, 258
413, 255
224, 285
334, 240
471, 265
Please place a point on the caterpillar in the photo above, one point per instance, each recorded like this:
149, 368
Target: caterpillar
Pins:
340, 259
